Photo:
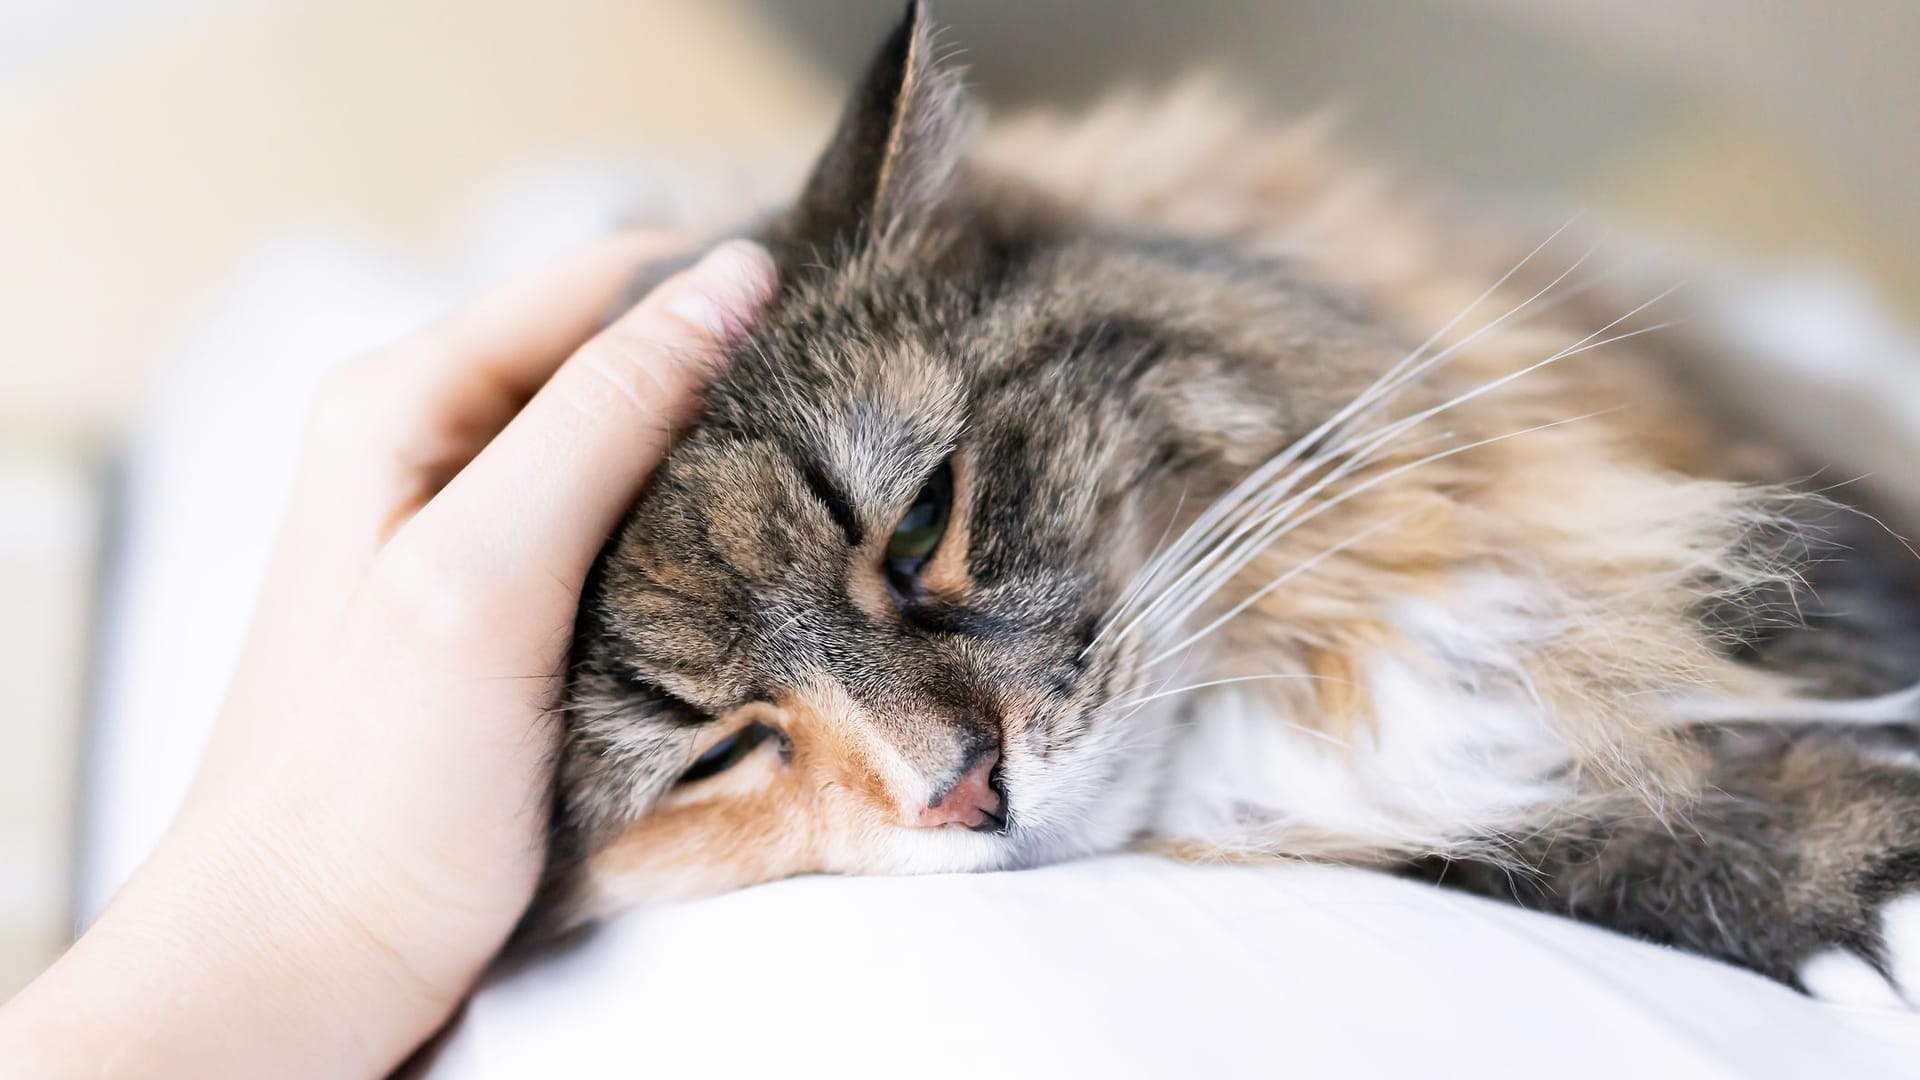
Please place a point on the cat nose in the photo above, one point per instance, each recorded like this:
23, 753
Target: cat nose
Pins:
972, 800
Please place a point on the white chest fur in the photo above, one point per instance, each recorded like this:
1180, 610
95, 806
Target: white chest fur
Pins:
1458, 744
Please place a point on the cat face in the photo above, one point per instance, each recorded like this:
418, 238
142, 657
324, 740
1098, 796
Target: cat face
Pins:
862, 619
854, 617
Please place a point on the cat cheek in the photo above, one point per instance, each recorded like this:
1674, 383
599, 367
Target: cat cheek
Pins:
699, 847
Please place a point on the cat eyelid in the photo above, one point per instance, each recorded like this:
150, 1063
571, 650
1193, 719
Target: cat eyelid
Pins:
830, 495
731, 749
679, 709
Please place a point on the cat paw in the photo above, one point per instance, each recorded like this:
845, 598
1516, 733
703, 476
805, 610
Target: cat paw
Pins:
1890, 981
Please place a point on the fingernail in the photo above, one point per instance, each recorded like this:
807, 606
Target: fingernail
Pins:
721, 292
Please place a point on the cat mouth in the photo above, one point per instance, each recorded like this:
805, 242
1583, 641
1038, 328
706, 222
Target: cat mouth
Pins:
994, 820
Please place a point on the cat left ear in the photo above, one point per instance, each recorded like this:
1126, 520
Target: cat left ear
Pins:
894, 152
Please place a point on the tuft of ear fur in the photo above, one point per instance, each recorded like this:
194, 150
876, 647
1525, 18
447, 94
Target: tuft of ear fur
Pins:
892, 156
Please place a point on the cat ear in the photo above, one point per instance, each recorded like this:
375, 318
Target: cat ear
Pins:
898, 142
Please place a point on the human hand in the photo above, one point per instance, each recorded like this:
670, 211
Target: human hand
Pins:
368, 821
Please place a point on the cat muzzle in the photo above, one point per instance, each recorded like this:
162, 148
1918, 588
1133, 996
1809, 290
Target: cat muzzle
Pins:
974, 801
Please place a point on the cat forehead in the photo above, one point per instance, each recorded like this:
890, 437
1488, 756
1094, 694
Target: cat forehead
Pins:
856, 421
1037, 356
894, 349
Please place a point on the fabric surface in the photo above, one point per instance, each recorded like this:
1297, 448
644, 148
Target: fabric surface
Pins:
1131, 966
1115, 967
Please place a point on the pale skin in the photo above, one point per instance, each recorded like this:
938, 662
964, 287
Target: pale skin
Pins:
367, 822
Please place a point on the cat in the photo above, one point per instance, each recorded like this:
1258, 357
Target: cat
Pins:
1160, 479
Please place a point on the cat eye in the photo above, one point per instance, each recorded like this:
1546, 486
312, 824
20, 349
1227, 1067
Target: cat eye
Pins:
727, 753
920, 529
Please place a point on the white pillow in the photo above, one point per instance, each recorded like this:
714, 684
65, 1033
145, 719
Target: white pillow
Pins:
1133, 966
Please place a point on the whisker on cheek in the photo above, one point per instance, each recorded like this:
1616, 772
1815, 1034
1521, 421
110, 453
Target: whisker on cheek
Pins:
1262, 522
1239, 501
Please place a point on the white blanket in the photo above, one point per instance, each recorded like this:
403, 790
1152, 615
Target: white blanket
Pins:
1131, 966
1115, 967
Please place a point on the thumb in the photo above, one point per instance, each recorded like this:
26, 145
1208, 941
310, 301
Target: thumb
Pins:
547, 491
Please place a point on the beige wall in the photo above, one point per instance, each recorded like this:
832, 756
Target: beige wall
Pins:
136, 176
1808, 144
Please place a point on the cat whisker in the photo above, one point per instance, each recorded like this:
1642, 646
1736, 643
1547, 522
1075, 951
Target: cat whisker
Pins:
1362, 444
1393, 473
1259, 513
1159, 684
1583, 345
1598, 278
1226, 559
1248, 515
1303, 729
1429, 364
1246, 549
1260, 488
1302, 568
1141, 581
1434, 338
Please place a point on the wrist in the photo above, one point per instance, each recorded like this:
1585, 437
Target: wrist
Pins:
327, 942
243, 951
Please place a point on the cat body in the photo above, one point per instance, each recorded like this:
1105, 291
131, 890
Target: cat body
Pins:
1158, 478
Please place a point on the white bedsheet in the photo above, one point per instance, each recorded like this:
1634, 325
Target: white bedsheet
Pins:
1115, 967
1131, 966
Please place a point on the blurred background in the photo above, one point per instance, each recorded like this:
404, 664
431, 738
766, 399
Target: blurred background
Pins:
174, 168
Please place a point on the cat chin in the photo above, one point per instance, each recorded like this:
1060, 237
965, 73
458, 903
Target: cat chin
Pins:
1099, 795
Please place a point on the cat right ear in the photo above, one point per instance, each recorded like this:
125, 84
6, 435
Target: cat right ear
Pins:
892, 156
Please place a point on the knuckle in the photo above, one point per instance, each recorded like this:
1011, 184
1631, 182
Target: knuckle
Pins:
618, 376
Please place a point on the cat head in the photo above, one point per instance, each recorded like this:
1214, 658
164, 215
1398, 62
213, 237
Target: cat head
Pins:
862, 618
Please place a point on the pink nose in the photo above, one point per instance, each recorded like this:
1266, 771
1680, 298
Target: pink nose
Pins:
970, 802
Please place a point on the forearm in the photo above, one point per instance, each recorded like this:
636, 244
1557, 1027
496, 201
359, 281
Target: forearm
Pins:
221, 961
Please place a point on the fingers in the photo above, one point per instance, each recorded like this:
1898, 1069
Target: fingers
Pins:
520, 333
543, 496
390, 429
